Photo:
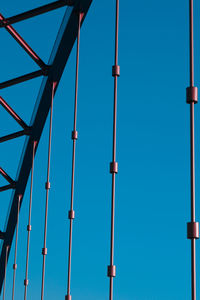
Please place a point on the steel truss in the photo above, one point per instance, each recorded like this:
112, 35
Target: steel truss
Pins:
52, 73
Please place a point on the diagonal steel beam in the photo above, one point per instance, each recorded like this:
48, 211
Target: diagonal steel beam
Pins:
59, 57
21, 79
14, 135
7, 187
35, 12
6, 176
23, 44
13, 114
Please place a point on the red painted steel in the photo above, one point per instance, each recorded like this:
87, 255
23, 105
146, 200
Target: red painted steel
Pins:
192, 91
16, 242
114, 165
74, 138
23, 44
23, 78
5, 269
15, 135
6, 176
13, 114
29, 222
7, 187
60, 54
35, 12
47, 186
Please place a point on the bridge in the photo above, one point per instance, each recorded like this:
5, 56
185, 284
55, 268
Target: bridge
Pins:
43, 192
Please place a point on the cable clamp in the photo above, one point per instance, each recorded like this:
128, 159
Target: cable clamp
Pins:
71, 214
29, 227
68, 297
74, 135
44, 251
192, 95
25, 282
116, 71
114, 167
47, 185
111, 271
193, 230
14, 266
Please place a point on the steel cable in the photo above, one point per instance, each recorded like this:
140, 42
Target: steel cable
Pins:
47, 187
16, 242
71, 214
6, 261
29, 223
192, 98
114, 165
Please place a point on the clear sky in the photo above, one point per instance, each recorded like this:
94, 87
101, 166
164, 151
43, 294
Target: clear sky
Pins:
152, 253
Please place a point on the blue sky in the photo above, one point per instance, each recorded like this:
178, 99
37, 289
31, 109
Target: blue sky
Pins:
152, 253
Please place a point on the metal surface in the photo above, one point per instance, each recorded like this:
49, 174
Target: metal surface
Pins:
13, 114
193, 230
47, 187
59, 57
192, 94
9, 179
23, 44
4, 286
16, 243
6, 176
114, 165
35, 12
29, 222
21, 79
14, 135
7, 187
74, 138
192, 151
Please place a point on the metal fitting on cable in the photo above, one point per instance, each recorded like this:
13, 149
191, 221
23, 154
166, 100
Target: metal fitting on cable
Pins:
116, 71
44, 251
29, 227
71, 214
111, 271
74, 135
192, 95
47, 185
114, 167
193, 230
14, 266
25, 282
68, 297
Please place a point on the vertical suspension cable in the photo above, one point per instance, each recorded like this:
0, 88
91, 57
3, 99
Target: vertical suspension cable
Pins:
16, 241
192, 98
47, 187
6, 261
29, 222
114, 165
71, 214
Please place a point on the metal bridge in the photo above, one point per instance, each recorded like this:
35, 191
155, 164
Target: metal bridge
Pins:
69, 34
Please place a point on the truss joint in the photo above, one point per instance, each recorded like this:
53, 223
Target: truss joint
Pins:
2, 235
